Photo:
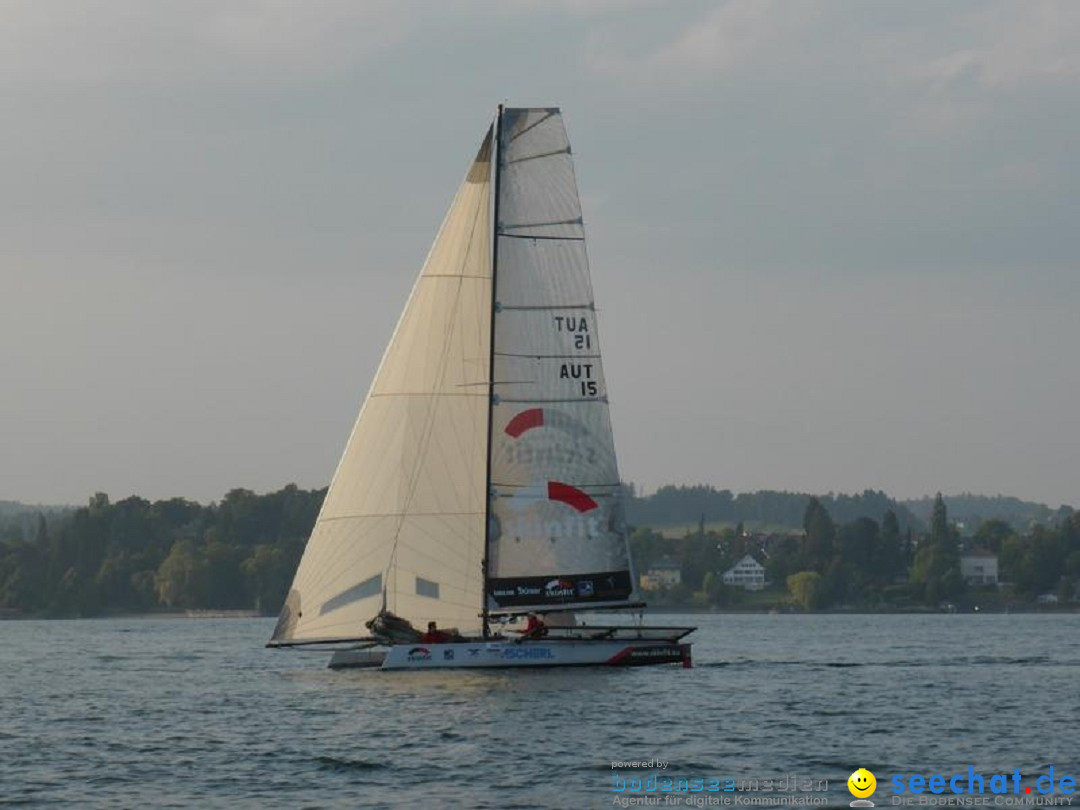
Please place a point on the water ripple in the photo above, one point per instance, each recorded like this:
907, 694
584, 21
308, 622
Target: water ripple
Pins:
195, 713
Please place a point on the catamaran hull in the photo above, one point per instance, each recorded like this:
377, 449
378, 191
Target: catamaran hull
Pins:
506, 654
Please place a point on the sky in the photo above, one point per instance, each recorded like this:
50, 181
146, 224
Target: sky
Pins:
835, 245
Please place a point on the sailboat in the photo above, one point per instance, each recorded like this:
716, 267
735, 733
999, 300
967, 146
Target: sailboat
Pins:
479, 483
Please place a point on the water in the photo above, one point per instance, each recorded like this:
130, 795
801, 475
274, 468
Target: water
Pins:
195, 713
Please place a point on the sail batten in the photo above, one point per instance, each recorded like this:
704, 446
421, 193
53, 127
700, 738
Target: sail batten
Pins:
548, 238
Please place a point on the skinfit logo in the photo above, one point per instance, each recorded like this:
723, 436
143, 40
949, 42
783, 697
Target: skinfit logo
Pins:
862, 784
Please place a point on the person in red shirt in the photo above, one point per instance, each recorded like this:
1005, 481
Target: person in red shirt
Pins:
534, 627
434, 635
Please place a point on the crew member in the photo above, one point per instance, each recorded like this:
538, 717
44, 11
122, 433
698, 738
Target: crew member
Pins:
534, 627
434, 635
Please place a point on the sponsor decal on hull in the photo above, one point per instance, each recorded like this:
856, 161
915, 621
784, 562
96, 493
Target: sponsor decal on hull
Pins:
535, 654
651, 654
529, 653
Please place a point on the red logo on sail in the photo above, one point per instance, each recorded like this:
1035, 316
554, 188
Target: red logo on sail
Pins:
571, 496
526, 420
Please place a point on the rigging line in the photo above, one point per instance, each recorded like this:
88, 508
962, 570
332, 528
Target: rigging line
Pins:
440, 602
534, 124
476, 242
329, 583
485, 551
323, 577
565, 151
429, 418
461, 536
454, 573
545, 238
448, 451
323, 584
315, 573
457, 573
443, 364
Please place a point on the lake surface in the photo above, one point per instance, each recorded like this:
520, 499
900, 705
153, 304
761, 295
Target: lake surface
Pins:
196, 713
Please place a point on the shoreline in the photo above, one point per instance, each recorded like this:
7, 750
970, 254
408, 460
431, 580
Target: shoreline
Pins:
858, 611
662, 610
164, 614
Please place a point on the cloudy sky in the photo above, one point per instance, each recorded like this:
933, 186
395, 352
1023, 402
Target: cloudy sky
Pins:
836, 245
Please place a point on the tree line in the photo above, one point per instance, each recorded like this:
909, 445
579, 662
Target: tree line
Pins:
868, 563
139, 556
675, 505
672, 505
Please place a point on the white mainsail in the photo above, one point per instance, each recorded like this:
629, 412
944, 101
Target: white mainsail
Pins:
403, 520
557, 535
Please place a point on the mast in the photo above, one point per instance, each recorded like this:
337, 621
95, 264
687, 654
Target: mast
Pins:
496, 152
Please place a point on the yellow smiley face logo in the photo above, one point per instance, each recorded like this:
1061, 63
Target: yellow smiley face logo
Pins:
861, 783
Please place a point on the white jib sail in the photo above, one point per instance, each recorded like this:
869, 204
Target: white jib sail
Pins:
557, 531
404, 514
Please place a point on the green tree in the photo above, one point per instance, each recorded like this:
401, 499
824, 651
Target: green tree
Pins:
267, 577
805, 588
820, 533
889, 562
857, 543
992, 534
225, 587
182, 578
784, 557
698, 554
937, 562
939, 521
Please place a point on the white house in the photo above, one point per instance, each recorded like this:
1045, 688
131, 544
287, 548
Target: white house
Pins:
747, 573
979, 567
